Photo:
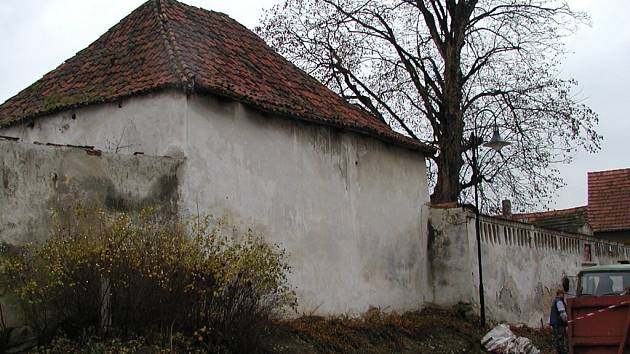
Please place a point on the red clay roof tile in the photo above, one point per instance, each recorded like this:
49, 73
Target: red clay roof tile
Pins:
569, 220
609, 200
167, 44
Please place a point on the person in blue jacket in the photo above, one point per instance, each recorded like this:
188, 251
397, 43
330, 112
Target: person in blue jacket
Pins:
558, 321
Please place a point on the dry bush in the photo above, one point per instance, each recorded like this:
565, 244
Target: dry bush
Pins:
141, 273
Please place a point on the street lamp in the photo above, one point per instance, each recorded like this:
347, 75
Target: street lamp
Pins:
496, 143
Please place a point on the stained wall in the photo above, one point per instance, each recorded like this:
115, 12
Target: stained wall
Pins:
522, 265
350, 210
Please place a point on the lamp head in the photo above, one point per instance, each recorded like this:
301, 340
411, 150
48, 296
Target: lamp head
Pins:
497, 143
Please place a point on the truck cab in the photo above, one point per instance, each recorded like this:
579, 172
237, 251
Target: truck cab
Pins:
599, 315
607, 280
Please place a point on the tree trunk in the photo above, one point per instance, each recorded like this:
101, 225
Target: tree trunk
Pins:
449, 161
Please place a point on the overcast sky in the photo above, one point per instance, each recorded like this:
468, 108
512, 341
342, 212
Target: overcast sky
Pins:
38, 35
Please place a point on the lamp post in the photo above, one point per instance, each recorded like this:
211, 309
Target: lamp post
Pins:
496, 143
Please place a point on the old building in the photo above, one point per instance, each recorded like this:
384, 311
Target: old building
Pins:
609, 204
263, 144
181, 107
569, 220
607, 215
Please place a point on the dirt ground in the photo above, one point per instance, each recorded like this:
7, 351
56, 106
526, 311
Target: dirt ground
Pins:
431, 330
540, 338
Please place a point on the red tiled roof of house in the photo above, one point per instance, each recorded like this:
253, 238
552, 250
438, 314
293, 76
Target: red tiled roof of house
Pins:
609, 200
568, 220
167, 44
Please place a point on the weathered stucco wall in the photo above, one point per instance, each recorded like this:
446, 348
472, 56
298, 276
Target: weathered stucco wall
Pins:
349, 209
522, 265
37, 179
451, 257
153, 124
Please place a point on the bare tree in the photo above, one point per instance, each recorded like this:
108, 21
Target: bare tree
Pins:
439, 70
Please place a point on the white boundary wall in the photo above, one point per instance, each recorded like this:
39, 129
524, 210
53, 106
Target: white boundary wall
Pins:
522, 264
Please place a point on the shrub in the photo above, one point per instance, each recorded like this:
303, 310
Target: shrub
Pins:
140, 273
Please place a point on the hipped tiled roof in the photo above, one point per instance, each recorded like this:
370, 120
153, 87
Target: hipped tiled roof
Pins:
609, 200
568, 220
167, 44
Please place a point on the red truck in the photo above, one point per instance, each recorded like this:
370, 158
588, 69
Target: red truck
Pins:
599, 315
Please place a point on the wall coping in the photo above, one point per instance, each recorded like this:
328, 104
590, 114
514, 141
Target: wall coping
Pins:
531, 227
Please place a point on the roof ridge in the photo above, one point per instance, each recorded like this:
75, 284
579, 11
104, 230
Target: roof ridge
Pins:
548, 212
168, 37
613, 171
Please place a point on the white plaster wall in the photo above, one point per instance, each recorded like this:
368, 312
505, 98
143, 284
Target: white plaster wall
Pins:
451, 257
348, 209
521, 276
153, 124
36, 180
522, 264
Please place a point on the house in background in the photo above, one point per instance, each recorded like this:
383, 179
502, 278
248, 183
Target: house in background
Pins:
609, 204
607, 215
574, 220
263, 144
